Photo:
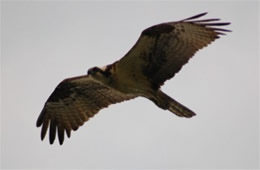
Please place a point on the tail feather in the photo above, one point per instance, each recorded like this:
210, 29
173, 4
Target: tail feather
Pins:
166, 102
180, 110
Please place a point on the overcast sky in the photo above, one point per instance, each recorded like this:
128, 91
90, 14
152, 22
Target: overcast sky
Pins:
43, 43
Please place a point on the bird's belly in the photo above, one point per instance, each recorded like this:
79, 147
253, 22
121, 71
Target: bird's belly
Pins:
133, 86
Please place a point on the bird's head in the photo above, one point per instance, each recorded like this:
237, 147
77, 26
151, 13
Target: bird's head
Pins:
95, 70
102, 74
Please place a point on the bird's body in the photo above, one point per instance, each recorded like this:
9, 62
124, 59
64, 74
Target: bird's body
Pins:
157, 56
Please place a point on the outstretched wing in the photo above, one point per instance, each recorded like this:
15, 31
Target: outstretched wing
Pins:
72, 103
163, 49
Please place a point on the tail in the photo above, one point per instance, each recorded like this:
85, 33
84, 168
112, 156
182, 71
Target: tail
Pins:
167, 103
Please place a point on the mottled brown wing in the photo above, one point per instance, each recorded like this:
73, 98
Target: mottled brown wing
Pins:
73, 102
163, 49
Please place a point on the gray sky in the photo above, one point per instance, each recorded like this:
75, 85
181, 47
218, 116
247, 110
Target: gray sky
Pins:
46, 42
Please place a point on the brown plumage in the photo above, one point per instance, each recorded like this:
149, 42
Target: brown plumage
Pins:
157, 56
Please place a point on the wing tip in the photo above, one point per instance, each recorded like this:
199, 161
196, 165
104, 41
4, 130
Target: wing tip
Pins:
39, 121
52, 131
61, 135
205, 22
209, 23
195, 16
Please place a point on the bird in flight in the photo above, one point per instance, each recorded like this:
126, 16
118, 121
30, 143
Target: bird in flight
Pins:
159, 53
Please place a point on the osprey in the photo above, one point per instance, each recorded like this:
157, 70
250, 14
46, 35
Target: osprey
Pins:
157, 56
